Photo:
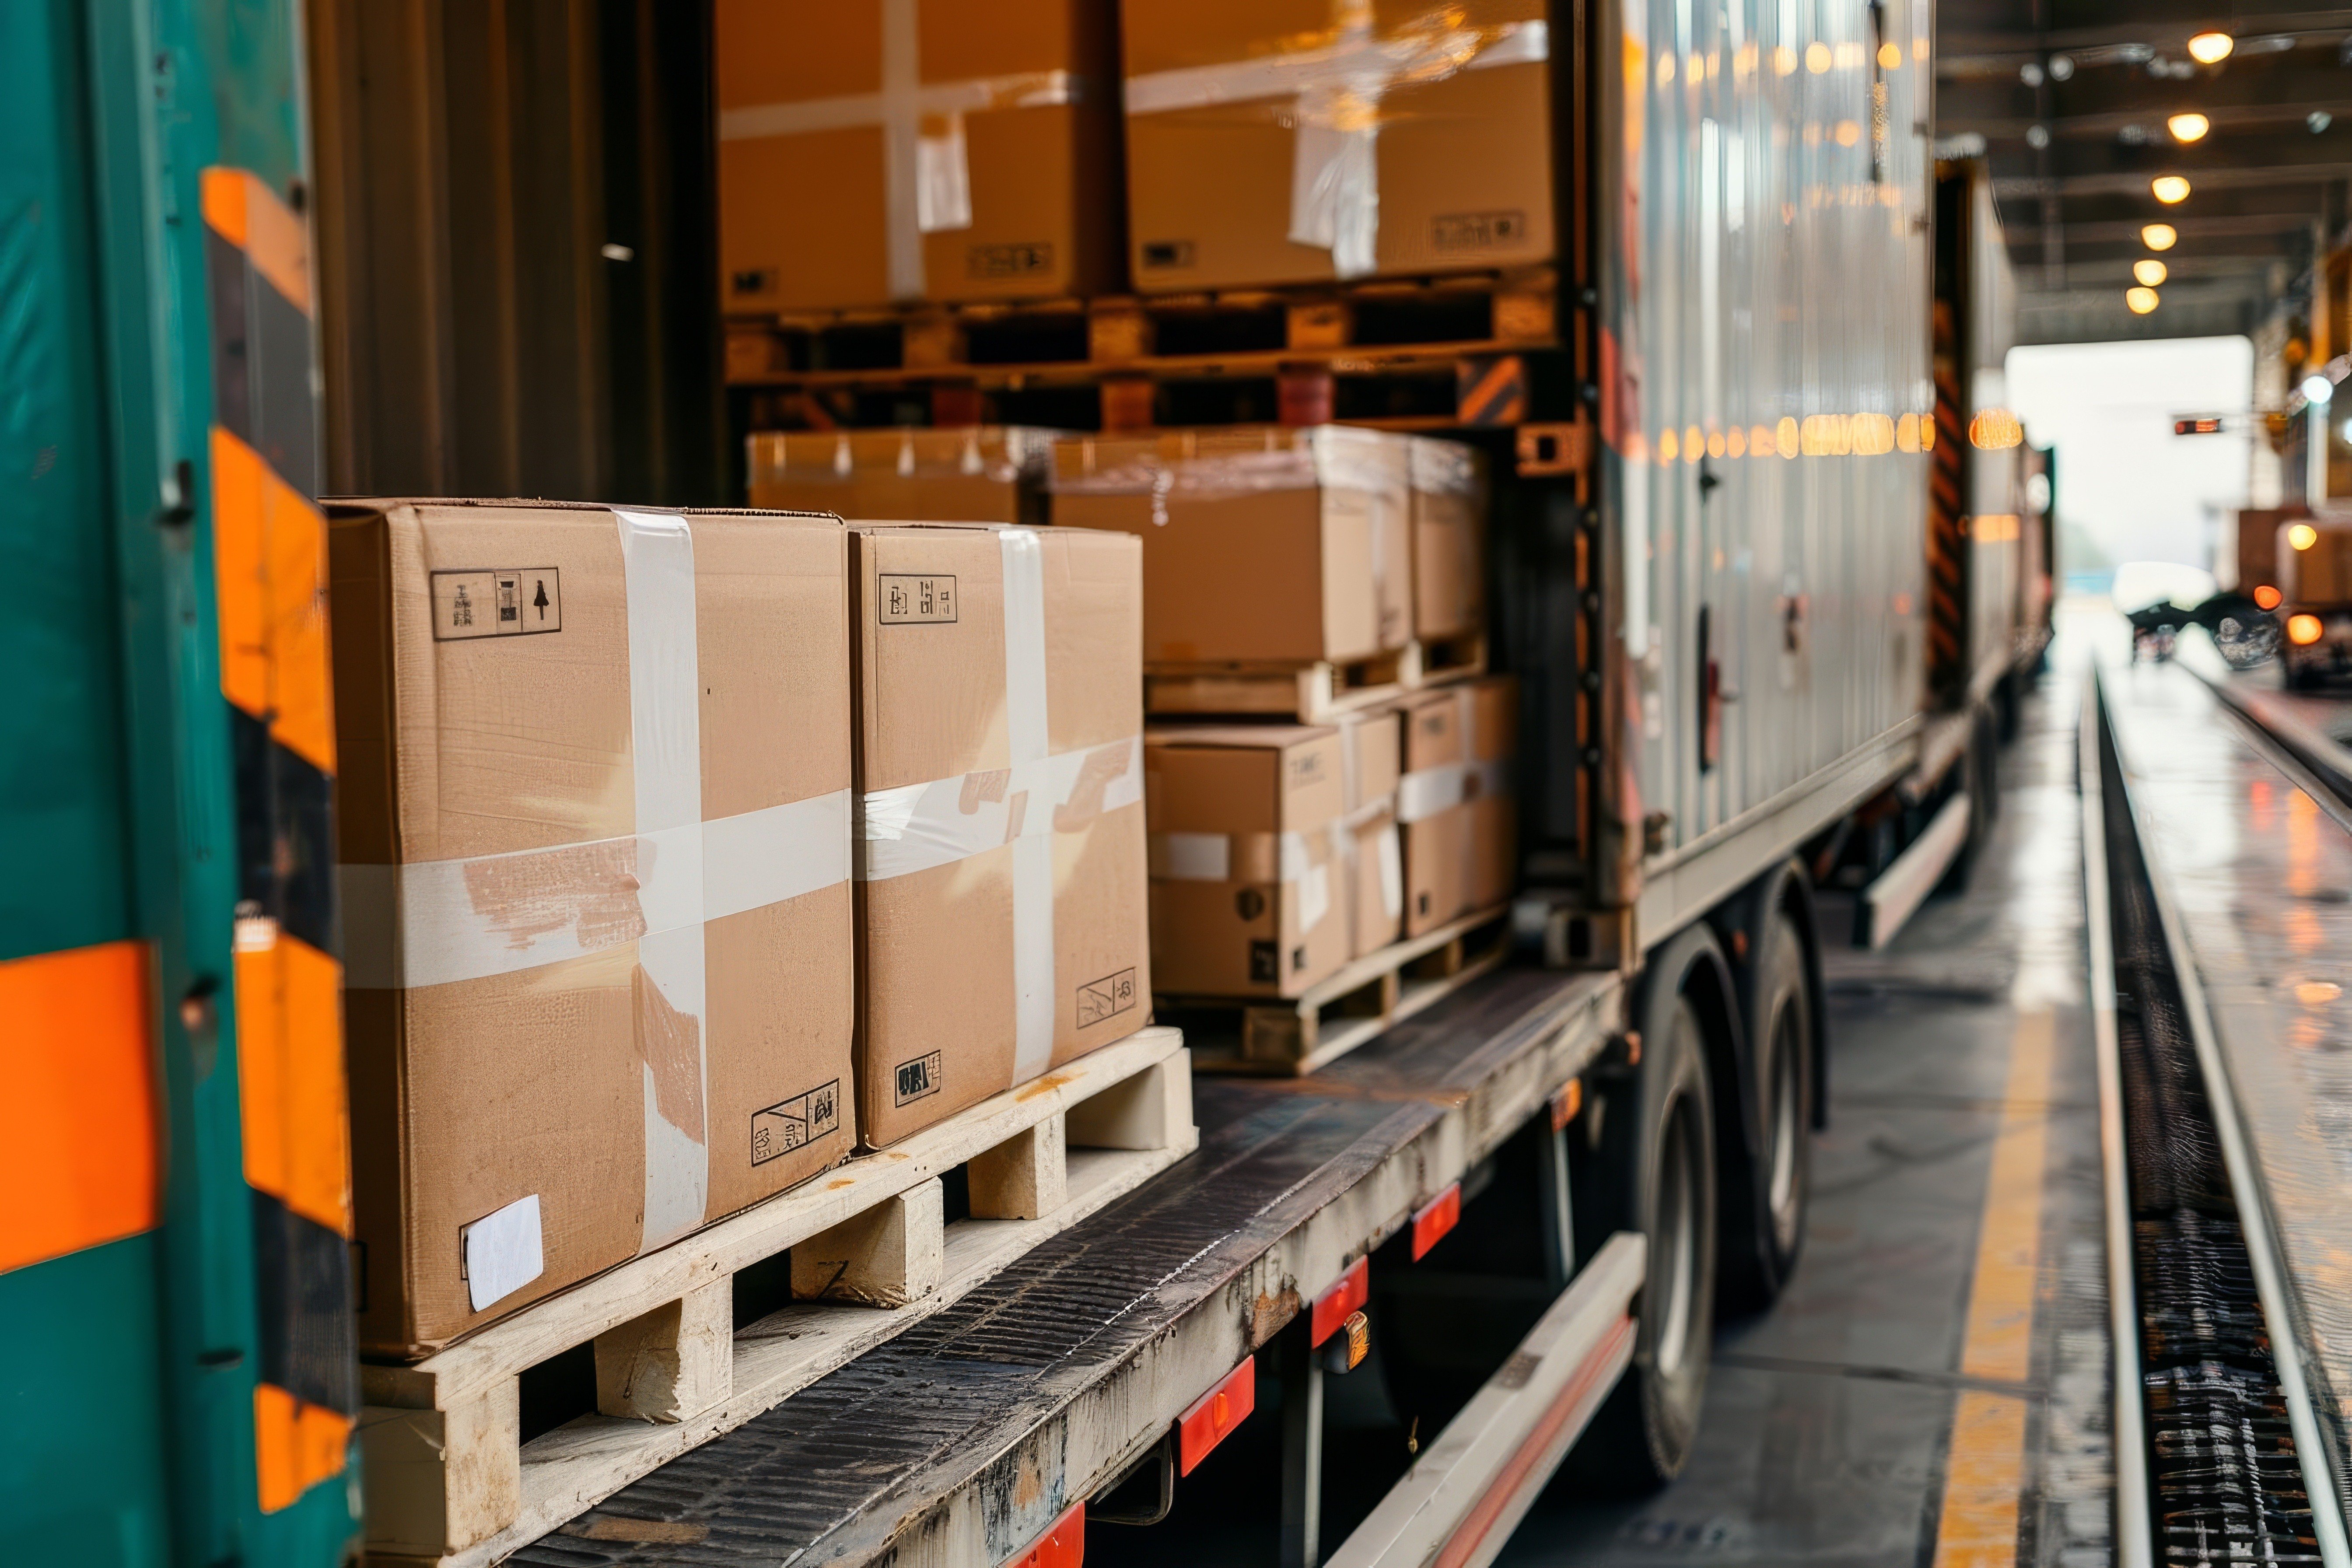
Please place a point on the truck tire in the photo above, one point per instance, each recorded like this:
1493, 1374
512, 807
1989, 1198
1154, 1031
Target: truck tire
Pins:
1765, 1198
1658, 1163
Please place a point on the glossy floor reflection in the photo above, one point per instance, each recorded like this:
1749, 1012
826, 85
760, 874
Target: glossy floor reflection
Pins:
1953, 1276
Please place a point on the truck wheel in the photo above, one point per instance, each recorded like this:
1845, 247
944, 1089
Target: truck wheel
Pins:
1660, 1162
1764, 1213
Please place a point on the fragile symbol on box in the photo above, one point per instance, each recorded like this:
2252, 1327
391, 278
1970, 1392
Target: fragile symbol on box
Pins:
496, 604
789, 1123
913, 1079
1104, 998
1009, 260
912, 600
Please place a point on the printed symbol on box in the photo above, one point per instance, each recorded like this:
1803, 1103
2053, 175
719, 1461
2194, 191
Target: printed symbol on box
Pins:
1307, 769
912, 1080
1265, 963
1477, 231
1104, 998
908, 600
788, 1124
1009, 260
509, 603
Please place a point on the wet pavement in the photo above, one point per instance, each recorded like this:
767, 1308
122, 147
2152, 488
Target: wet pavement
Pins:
1932, 1388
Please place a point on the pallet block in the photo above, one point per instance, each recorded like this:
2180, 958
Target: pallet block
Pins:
449, 1480
1360, 1002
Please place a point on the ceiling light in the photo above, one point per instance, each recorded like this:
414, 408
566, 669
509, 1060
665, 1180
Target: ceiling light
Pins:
2159, 236
2149, 271
2211, 49
2169, 189
2318, 119
2141, 300
2189, 127
1890, 55
2316, 388
2037, 137
2029, 73
2061, 67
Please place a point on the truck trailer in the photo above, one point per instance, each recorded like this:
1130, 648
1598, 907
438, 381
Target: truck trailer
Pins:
1762, 557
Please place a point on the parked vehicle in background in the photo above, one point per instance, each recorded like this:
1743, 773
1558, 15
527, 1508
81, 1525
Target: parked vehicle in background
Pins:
2315, 585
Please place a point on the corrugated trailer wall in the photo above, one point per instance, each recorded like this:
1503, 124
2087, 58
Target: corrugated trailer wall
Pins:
516, 258
1765, 284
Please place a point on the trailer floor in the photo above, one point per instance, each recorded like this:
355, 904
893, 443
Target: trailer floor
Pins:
1933, 1387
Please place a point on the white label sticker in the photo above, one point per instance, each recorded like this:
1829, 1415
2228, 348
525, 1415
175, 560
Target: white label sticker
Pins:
502, 1253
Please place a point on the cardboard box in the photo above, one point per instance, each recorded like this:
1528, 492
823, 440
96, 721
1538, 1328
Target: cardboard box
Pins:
1263, 545
1449, 537
1456, 800
969, 153
1372, 760
1248, 841
594, 817
999, 761
1308, 140
991, 473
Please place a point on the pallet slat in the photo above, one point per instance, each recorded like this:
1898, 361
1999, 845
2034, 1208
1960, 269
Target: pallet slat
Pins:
1315, 692
1356, 1003
451, 1484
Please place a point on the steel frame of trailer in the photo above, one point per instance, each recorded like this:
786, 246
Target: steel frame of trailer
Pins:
1296, 1183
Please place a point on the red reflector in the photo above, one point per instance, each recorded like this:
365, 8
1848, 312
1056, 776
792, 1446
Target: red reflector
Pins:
1063, 1546
1433, 1220
1331, 1308
1567, 1103
1220, 1410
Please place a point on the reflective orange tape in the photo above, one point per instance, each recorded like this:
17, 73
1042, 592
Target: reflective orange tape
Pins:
295, 1445
270, 574
289, 1072
248, 215
80, 1156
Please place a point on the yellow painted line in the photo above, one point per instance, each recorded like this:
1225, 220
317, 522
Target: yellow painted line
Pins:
1984, 1468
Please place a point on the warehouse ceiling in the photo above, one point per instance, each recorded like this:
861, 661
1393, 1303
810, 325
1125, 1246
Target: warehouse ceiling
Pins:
2071, 101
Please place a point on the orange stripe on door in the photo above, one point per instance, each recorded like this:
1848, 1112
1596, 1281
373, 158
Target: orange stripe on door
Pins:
289, 1072
295, 1445
79, 1148
270, 565
248, 215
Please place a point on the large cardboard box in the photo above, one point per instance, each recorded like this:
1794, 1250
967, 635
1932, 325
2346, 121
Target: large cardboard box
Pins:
1449, 536
1248, 837
1000, 764
1260, 544
1306, 140
594, 817
1372, 760
934, 150
976, 473
1456, 800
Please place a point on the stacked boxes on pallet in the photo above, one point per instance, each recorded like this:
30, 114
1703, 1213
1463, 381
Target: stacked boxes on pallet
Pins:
1333, 139
1453, 800
612, 780
595, 821
1261, 545
1001, 773
972, 473
918, 150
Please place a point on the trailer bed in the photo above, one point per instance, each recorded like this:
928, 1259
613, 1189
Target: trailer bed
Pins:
968, 1438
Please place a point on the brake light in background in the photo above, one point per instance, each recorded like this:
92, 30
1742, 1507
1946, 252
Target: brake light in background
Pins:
2303, 536
2267, 596
2204, 425
2303, 630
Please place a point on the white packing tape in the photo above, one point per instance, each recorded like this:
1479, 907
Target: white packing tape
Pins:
666, 736
1024, 557
916, 827
431, 922
1424, 791
1336, 91
1391, 862
1193, 857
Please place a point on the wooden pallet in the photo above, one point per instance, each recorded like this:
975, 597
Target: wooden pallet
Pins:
449, 1480
1334, 1017
1034, 336
1313, 693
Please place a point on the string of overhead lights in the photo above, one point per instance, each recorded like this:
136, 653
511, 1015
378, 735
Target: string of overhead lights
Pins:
2208, 48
